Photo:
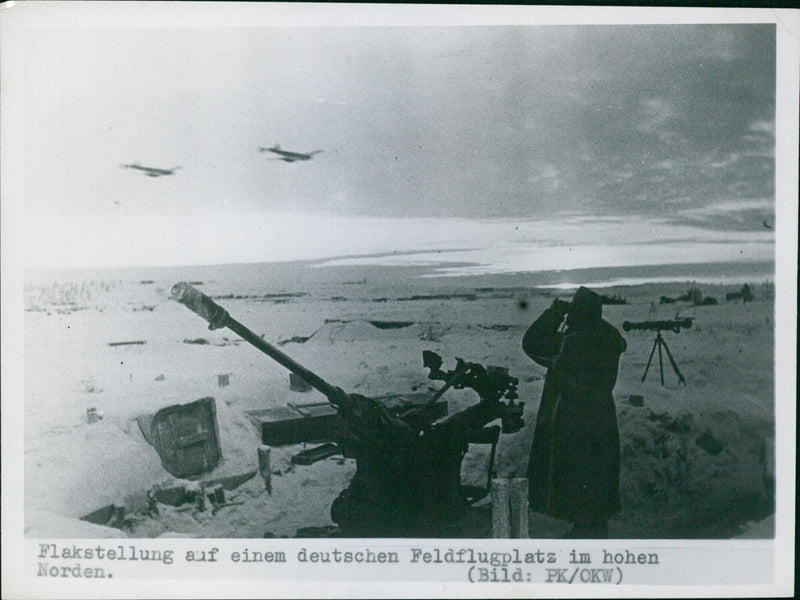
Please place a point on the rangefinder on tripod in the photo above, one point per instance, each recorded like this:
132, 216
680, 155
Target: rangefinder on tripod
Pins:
676, 325
658, 327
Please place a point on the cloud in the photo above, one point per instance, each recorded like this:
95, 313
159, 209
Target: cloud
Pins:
732, 207
763, 126
552, 258
640, 122
58, 242
730, 215
720, 44
656, 115
545, 177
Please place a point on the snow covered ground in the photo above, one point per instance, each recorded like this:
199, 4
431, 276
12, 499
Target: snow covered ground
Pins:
694, 457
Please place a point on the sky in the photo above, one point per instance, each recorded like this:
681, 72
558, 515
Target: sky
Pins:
515, 145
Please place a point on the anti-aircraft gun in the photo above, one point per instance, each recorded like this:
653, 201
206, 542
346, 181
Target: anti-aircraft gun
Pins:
408, 460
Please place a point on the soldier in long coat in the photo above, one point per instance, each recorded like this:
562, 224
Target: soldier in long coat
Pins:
575, 457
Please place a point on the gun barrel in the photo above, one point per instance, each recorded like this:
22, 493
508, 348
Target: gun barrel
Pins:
218, 317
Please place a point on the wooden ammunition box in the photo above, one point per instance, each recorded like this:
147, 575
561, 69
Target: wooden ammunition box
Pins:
319, 421
186, 437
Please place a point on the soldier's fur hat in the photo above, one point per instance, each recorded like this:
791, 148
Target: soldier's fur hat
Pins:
586, 305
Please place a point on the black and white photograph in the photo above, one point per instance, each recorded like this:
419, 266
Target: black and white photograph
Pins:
421, 294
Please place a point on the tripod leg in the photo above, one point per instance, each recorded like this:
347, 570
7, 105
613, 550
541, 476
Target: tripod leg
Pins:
674, 365
649, 360
660, 360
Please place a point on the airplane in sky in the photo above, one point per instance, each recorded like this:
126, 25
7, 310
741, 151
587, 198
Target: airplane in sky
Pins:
287, 156
151, 171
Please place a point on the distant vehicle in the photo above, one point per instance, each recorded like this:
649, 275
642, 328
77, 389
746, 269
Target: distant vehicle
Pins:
287, 156
151, 171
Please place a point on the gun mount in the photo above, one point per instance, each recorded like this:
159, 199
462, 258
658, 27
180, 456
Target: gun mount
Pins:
408, 461
491, 383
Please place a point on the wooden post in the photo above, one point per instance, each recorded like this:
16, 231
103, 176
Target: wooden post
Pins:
118, 517
518, 505
510, 508
264, 467
501, 526
200, 497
